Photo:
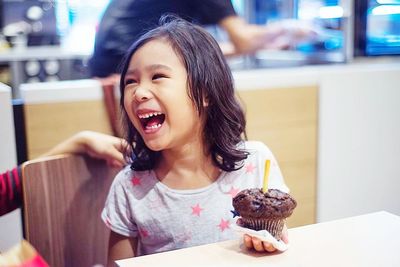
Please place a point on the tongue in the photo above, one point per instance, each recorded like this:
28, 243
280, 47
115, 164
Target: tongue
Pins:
153, 121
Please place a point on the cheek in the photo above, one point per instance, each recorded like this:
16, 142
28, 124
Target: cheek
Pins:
187, 115
127, 105
128, 108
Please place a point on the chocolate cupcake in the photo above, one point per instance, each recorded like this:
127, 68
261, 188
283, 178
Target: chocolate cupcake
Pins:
264, 211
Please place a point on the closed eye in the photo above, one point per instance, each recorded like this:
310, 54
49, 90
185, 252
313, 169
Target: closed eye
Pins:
129, 81
159, 76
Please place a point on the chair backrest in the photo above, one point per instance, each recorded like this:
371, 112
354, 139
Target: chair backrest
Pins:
63, 199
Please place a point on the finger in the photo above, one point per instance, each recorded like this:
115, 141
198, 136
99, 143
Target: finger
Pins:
285, 235
116, 155
257, 244
112, 156
115, 164
278, 43
114, 152
247, 241
121, 144
123, 148
268, 247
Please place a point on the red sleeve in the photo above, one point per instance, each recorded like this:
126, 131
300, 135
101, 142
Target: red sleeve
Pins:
10, 190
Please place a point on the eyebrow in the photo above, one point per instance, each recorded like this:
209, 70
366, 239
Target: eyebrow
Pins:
152, 67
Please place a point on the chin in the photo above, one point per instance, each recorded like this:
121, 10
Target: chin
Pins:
154, 146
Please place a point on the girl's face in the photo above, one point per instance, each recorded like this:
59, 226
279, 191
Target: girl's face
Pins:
156, 98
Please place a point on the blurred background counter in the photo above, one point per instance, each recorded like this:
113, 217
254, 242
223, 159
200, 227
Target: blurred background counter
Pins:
48, 40
41, 64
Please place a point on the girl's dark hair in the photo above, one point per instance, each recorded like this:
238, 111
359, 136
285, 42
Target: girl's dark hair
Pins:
209, 81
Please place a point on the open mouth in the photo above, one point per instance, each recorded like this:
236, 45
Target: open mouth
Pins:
152, 120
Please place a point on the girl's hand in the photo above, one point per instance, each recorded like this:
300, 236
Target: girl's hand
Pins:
260, 246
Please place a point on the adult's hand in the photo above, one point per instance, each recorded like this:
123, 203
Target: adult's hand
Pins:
97, 145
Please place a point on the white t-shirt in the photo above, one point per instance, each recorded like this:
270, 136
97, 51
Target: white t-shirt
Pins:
140, 206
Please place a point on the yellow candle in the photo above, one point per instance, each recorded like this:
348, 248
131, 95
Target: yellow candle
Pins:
266, 175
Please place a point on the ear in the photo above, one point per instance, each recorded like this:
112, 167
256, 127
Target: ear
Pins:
205, 102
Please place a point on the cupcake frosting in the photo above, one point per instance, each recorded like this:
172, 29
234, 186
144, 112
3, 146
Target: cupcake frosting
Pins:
253, 203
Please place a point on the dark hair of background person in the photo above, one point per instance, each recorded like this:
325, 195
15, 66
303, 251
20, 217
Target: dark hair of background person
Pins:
124, 21
210, 81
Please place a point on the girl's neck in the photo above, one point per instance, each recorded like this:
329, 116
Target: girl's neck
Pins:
187, 168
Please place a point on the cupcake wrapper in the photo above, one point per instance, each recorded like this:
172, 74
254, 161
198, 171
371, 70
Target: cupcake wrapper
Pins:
263, 235
273, 226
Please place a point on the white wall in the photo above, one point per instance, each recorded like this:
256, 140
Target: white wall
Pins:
358, 132
359, 142
10, 224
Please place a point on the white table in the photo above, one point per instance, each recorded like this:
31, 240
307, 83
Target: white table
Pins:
368, 240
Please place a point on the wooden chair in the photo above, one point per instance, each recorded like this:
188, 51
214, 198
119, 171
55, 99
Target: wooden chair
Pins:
63, 200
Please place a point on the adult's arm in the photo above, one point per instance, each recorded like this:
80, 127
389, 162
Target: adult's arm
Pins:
247, 38
97, 145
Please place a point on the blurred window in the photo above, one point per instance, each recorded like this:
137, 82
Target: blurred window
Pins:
77, 21
383, 27
326, 15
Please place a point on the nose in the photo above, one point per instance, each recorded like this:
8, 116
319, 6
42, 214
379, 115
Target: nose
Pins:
142, 94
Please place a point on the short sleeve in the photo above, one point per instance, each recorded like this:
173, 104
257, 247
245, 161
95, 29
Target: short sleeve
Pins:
117, 213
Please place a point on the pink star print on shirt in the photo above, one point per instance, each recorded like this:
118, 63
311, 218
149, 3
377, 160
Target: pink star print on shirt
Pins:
223, 225
250, 168
135, 181
144, 232
196, 210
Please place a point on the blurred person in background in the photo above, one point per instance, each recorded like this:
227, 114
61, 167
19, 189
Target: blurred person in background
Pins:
125, 20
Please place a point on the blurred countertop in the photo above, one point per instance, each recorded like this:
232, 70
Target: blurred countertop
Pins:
39, 52
297, 76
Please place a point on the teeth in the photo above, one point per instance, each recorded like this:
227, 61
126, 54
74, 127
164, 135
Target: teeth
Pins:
154, 126
149, 115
